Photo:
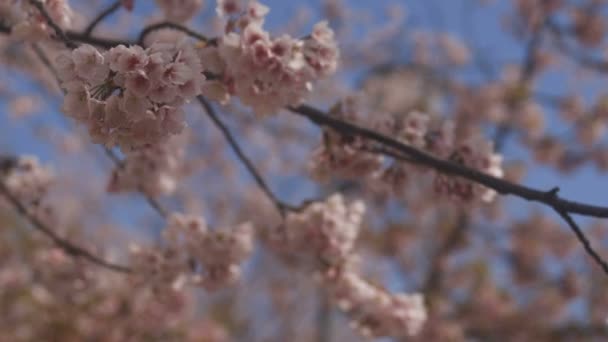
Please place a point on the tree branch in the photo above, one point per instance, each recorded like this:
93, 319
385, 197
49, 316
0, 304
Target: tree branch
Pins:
549, 198
62, 243
106, 43
100, 17
58, 31
166, 24
582, 238
282, 208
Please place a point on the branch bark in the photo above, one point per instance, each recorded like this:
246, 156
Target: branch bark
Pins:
62, 243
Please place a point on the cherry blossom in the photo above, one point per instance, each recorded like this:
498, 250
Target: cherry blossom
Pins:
141, 90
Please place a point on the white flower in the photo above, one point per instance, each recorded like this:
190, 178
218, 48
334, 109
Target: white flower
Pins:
138, 83
89, 63
123, 59
134, 106
191, 88
65, 67
76, 100
176, 74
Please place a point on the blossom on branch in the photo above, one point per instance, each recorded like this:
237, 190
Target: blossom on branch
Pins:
321, 238
194, 254
31, 25
130, 97
268, 73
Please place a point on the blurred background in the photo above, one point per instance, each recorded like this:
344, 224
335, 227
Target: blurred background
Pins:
528, 75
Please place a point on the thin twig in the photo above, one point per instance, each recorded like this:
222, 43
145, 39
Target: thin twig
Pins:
153, 202
58, 31
62, 243
281, 207
47, 63
106, 43
582, 238
100, 17
166, 24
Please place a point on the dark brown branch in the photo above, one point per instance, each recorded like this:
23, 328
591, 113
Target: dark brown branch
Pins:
100, 17
70, 37
47, 63
166, 24
444, 166
582, 238
62, 243
58, 31
282, 208
106, 43
400, 150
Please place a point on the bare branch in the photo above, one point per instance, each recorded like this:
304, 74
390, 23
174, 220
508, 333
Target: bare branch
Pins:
100, 17
166, 24
106, 43
582, 238
282, 208
62, 243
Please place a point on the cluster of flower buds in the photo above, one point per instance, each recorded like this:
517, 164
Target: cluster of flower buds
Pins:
29, 24
151, 169
375, 312
321, 235
179, 10
266, 73
194, 254
355, 157
128, 96
28, 181
321, 238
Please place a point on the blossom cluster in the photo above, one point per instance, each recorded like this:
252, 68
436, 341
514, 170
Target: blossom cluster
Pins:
151, 169
266, 73
354, 157
321, 237
194, 254
29, 24
374, 312
130, 96
323, 234
28, 181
